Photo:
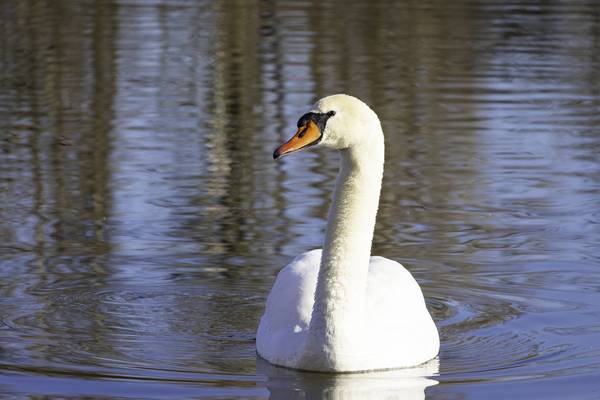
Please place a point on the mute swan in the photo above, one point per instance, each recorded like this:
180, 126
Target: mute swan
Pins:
339, 309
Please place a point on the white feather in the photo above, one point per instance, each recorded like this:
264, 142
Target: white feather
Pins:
339, 309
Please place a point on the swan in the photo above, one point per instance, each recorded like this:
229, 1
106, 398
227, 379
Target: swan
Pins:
339, 309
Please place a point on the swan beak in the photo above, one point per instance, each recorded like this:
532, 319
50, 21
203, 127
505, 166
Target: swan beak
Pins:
307, 135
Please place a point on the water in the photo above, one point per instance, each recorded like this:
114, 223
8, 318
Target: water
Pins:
143, 221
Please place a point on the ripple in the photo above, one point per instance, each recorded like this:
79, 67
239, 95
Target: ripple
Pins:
142, 220
490, 328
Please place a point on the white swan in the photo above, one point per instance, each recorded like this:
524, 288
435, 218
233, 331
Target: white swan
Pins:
338, 309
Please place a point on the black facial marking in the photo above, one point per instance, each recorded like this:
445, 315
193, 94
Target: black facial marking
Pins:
304, 119
319, 118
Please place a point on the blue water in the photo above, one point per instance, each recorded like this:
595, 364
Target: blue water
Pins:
143, 221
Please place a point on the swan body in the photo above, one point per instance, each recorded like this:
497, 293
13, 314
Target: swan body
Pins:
339, 309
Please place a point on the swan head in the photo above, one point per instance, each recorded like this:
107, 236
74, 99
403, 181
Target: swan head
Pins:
338, 122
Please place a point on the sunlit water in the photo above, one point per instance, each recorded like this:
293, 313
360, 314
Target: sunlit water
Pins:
143, 221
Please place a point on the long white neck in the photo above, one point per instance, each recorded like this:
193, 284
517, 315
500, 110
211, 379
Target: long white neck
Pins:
340, 297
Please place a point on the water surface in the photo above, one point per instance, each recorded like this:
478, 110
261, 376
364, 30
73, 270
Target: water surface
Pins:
143, 221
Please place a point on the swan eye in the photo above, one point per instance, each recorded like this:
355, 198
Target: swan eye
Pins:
331, 114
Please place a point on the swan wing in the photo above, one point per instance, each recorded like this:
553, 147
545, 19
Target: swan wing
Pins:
283, 326
400, 331
400, 326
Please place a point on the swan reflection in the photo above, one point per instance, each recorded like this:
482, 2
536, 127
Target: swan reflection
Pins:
405, 384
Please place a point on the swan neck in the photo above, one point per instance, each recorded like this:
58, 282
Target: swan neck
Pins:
352, 215
340, 297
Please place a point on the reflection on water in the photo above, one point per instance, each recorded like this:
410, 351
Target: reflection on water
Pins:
142, 220
405, 384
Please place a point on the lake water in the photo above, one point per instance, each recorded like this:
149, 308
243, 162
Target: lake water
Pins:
143, 220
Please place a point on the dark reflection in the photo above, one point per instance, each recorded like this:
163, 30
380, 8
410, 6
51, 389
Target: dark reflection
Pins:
143, 221
64, 177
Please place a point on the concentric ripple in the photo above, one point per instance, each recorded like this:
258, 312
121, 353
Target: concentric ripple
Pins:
143, 220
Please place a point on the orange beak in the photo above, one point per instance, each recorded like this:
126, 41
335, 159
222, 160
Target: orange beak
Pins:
308, 134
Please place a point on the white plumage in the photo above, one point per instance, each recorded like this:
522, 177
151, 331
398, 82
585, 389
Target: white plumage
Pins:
338, 309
